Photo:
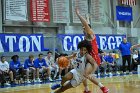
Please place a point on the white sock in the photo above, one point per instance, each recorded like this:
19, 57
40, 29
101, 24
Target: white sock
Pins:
86, 89
100, 85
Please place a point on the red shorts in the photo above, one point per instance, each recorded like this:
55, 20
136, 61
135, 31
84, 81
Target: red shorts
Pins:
94, 52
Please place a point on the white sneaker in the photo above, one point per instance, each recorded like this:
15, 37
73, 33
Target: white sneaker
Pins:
34, 80
124, 73
50, 79
99, 74
59, 78
7, 84
110, 74
38, 80
130, 73
105, 74
118, 73
28, 81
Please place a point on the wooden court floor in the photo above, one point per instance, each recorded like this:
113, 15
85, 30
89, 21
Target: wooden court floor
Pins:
117, 84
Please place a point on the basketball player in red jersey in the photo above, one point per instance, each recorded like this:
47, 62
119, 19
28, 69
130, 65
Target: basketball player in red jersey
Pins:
90, 36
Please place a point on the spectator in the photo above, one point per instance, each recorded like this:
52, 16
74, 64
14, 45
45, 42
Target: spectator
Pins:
16, 67
4, 70
103, 63
111, 64
135, 60
125, 49
50, 62
29, 67
42, 67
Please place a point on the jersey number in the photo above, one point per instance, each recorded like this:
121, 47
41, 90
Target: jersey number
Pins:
78, 65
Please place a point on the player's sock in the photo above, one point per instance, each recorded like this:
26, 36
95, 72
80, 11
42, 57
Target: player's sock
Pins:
86, 89
100, 85
103, 88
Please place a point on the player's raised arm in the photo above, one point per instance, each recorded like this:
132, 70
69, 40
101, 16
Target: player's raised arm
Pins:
84, 22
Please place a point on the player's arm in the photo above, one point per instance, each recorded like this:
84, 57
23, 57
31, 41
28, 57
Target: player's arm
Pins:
71, 56
135, 46
85, 24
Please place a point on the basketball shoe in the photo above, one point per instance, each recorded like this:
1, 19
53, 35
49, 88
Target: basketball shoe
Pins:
104, 89
55, 86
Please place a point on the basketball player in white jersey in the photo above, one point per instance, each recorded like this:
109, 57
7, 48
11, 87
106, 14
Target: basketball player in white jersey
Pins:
90, 36
76, 76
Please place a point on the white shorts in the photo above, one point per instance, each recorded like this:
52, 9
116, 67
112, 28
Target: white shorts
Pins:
77, 78
41, 70
29, 70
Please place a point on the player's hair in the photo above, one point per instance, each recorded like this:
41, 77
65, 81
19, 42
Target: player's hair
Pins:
88, 25
85, 44
2, 57
41, 54
49, 52
31, 56
14, 56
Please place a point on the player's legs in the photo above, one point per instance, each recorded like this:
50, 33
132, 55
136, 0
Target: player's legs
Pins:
86, 90
33, 70
89, 75
48, 72
37, 72
55, 69
90, 70
60, 71
27, 75
73, 76
68, 76
64, 88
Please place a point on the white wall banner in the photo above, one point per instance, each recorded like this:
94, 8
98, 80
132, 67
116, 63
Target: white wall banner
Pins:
21, 42
97, 12
16, 10
60, 11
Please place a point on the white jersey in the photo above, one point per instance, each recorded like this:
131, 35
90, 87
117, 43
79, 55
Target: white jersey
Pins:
4, 66
80, 63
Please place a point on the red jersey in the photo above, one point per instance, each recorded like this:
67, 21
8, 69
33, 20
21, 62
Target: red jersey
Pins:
94, 52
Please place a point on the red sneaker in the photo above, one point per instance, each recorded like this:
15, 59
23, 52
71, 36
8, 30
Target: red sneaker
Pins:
104, 89
87, 92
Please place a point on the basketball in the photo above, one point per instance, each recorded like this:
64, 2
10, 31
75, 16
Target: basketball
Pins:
63, 62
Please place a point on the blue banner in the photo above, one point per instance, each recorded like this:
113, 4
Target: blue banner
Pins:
124, 13
21, 42
105, 42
